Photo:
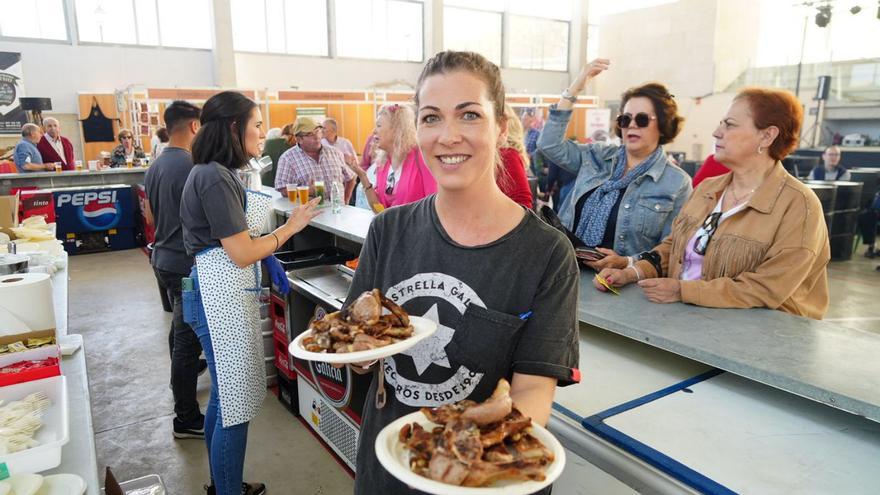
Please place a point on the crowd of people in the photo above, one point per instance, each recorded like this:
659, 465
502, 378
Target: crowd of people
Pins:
454, 176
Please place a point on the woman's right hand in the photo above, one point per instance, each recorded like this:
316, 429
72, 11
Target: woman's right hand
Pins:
616, 277
588, 71
356, 168
302, 215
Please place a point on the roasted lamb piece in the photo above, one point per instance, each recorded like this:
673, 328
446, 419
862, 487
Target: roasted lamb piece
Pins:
360, 327
477, 444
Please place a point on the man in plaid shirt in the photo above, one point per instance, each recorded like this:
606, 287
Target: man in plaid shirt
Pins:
309, 161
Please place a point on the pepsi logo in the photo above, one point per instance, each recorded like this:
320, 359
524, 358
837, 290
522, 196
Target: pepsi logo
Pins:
100, 216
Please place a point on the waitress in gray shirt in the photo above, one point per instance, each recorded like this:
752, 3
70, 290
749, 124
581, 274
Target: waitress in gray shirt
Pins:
625, 197
221, 222
501, 284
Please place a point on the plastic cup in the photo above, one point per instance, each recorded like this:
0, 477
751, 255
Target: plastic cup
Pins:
79, 165
57, 167
303, 193
129, 163
291, 193
93, 165
320, 191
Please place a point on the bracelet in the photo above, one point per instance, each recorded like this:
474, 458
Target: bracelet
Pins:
638, 273
277, 242
629, 262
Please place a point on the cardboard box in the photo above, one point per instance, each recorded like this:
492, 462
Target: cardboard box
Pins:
8, 214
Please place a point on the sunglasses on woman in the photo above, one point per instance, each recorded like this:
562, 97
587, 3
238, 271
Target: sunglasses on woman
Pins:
642, 120
710, 225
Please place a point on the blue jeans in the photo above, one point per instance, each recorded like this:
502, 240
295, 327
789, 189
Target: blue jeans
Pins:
226, 445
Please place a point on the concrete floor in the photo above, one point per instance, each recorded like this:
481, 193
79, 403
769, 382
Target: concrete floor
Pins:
115, 305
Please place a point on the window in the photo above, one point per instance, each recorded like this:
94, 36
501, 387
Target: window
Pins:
538, 43
186, 24
171, 23
473, 30
41, 19
280, 26
379, 29
549, 9
106, 21
528, 34
846, 36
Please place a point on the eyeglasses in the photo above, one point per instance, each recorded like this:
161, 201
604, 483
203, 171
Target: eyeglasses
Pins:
389, 184
710, 225
642, 120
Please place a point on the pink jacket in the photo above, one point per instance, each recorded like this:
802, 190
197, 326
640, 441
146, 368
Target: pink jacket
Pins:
415, 181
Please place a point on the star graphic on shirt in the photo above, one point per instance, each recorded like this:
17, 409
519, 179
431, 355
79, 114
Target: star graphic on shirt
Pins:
432, 349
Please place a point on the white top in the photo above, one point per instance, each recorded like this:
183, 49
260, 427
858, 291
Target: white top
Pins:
692, 268
58, 146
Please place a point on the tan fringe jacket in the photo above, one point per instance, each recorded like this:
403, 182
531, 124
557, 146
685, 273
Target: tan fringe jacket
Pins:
772, 254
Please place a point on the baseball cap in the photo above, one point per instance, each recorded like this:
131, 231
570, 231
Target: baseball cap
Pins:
305, 125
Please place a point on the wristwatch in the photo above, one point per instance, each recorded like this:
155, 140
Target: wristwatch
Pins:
652, 257
566, 95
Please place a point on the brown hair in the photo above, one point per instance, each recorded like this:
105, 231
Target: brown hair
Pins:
779, 108
472, 63
123, 133
668, 120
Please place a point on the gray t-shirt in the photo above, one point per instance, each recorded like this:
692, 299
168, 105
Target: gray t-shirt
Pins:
164, 184
481, 297
212, 207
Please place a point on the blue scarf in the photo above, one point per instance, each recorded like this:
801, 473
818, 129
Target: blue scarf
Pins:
597, 208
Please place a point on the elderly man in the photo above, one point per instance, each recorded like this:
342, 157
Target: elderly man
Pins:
332, 138
309, 161
830, 169
27, 156
54, 147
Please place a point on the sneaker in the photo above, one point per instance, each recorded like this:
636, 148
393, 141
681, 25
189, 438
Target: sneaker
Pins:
246, 489
203, 367
871, 252
189, 431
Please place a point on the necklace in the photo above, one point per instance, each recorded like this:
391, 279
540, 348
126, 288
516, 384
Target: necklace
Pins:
739, 199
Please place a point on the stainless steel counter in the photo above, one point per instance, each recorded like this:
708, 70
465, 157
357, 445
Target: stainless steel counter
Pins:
44, 180
819, 360
352, 224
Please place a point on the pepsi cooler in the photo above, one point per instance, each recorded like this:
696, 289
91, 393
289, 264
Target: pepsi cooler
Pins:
95, 218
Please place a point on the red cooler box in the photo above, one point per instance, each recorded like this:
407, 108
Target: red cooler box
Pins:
37, 202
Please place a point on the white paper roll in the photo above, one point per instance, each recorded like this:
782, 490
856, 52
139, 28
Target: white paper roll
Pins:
26, 303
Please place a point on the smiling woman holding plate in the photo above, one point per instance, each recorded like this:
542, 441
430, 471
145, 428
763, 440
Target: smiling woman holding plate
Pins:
456, 258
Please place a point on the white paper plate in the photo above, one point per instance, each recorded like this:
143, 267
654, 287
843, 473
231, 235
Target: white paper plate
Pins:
62, 484
395, 458
422, 329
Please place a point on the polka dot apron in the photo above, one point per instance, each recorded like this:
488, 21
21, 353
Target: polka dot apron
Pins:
231, 298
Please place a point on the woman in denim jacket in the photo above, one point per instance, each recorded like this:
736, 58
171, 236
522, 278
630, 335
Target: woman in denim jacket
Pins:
625, 197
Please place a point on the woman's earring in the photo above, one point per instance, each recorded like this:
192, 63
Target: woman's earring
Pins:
760, 150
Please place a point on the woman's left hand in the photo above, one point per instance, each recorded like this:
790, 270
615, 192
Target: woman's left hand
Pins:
611, 260
661, 290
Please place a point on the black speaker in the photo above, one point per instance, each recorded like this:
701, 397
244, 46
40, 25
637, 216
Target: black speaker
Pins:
39, 104
823, 88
